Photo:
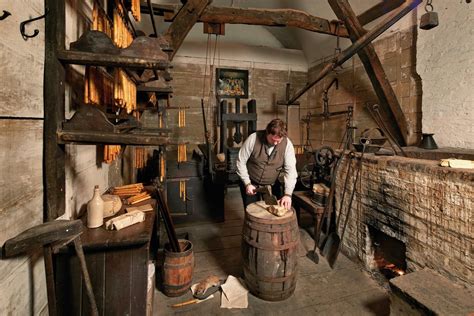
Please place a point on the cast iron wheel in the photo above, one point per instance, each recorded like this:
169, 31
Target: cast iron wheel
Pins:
306, 175
324, 156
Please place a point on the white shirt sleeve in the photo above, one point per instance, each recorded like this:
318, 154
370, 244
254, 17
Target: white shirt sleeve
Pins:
244, 155
289, 168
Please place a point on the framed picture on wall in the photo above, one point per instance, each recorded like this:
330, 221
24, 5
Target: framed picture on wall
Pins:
232, 83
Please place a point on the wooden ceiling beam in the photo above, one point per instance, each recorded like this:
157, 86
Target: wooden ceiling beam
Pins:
378, 10
264, 17
185, 19
387, 98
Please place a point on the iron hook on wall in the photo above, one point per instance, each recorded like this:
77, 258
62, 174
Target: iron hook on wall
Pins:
36, 31
5, 15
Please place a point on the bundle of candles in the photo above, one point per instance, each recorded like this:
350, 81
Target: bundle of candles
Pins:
162, 168
181, 118
141, 156
99, 87
111, 152
128, 190
138, 198
136, 10
100, 20
182, 153
182, 190
121, 36
125, 91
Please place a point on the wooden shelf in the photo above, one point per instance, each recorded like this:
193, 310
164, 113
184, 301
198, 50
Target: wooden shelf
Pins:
95, 59
88, 137
166, 90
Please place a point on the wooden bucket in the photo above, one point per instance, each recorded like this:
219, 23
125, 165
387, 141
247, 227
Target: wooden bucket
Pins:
178, 269
269, 252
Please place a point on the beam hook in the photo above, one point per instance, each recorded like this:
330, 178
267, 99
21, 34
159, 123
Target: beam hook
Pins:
5, 15
36, 31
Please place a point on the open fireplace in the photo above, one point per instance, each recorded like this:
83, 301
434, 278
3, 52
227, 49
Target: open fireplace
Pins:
389, 254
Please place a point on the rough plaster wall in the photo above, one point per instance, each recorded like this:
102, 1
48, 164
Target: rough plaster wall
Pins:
22, 281
397, 55
445, 63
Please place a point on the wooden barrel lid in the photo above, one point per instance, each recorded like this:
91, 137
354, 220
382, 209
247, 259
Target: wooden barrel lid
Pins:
258, 211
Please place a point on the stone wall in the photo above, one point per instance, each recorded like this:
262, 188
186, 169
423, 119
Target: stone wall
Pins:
267, 85
397, 55
427, 207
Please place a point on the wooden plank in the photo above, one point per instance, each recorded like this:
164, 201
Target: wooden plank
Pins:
84, 137
54, 97
187, 16
388, 100
378, 10
44, 234
139, 281
95, 59
117, 282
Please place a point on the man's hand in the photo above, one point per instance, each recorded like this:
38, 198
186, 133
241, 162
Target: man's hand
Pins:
250, 189
285, 201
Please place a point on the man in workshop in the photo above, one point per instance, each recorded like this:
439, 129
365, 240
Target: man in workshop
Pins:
263, 156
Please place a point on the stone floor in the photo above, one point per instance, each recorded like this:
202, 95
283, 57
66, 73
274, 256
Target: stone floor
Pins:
346, 290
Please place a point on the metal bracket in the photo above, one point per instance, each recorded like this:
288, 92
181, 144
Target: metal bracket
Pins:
36, 31
5, 15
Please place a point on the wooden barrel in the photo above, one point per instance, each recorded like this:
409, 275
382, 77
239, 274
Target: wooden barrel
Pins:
178, 269
269, 252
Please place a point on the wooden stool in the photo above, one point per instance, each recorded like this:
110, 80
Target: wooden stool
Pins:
51, 236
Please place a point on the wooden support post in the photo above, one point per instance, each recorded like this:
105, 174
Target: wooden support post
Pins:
187, 16
54, 80
388, 100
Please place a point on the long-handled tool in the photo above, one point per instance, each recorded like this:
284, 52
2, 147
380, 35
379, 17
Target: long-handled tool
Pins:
333, 244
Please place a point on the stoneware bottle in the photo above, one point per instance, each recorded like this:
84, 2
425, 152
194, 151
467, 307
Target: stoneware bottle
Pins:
95, 210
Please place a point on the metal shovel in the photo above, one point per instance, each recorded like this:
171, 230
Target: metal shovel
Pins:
333, 244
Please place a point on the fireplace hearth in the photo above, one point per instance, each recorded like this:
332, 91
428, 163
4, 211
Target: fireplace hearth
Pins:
389, 254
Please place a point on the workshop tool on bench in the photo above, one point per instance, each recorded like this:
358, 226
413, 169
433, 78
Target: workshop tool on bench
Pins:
333, 243
52, 236
267, 195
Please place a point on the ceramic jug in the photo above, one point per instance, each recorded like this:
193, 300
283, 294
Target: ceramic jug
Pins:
95, 210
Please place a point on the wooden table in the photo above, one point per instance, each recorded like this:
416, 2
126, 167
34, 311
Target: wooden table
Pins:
118, 266
302, 200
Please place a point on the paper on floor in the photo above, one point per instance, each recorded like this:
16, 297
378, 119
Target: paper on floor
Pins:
234, 294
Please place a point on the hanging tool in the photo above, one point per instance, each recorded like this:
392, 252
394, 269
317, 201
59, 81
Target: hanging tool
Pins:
347, 140
333, 244
375, 112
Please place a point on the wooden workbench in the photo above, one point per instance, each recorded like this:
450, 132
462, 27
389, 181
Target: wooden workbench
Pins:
118, 267
302, 201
